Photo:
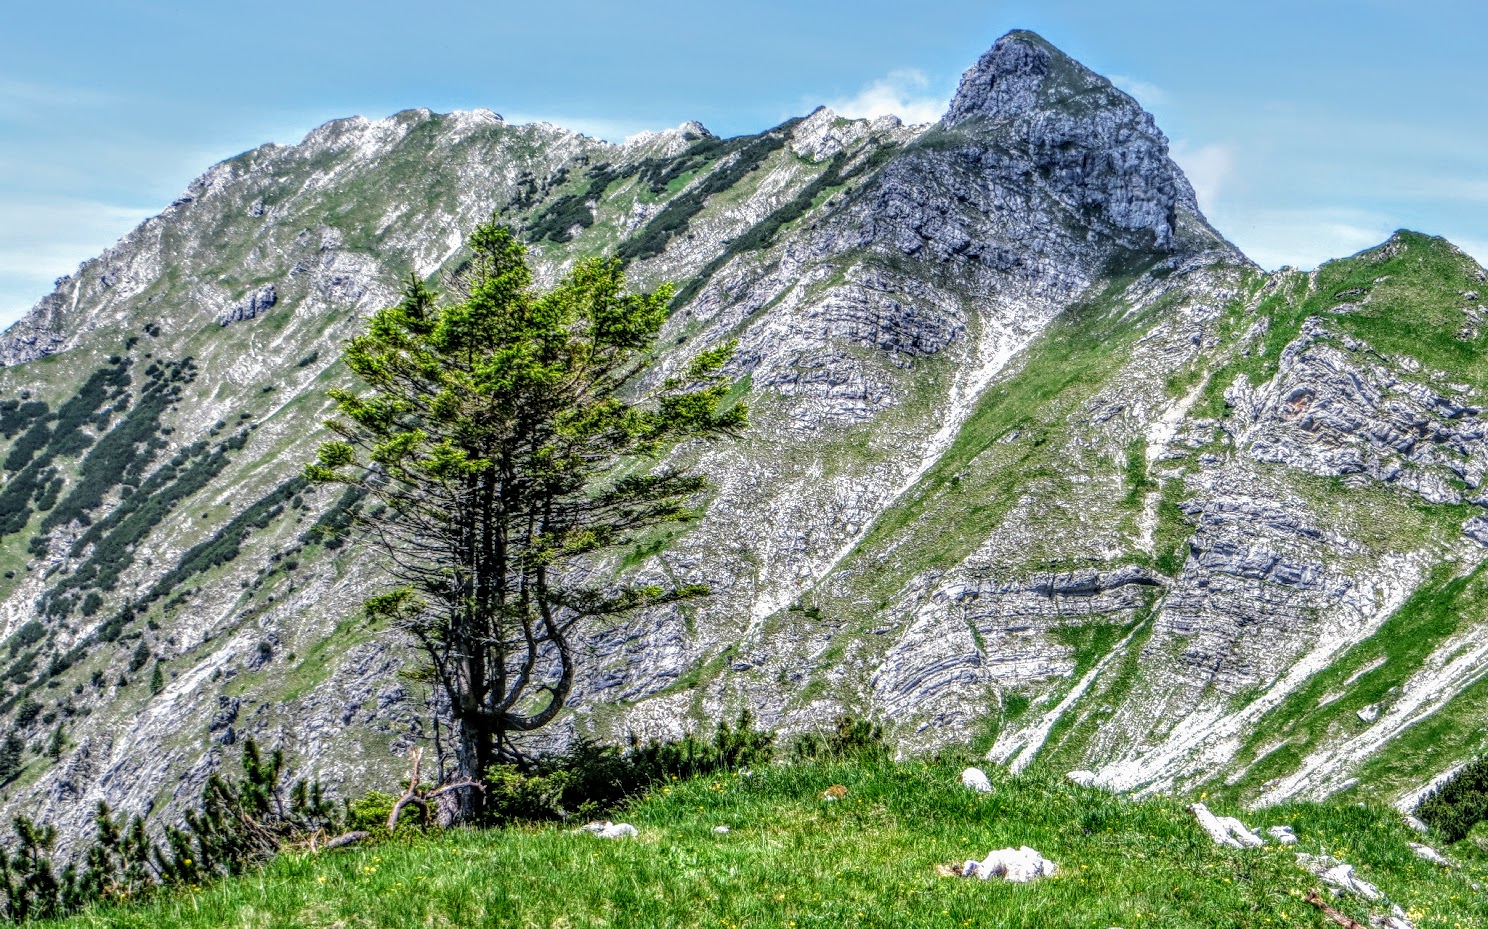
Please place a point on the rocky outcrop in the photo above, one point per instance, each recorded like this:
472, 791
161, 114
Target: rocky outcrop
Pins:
1337, 410
251, 306
1089, 144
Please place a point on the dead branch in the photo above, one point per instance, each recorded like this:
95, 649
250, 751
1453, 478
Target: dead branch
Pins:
410, 796
1316, 900
458, 785
347, 838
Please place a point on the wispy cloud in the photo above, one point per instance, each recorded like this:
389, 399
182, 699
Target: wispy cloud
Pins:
610, 130
1305, 238
1147, 94
28, 98
905, 93
1478, 248
42, 240
1208, 167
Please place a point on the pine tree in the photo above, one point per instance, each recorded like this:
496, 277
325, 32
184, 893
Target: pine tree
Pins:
157, 680
12, 756
56, 743
490, 438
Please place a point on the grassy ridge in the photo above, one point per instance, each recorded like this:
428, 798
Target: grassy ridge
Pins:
792, 860
1373, 672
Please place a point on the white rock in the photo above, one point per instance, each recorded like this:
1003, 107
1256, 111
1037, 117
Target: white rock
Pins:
1430, 854
609, 830
976, 779
1283, 835
720, 830
1417, 825
1019, 865
1084, 778
1225, 830
1369, 714
1340, 875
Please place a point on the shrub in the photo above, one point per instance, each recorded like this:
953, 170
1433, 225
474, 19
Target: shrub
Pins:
1459, 804
513, 795
336, 522
370, 813
852, 738
12, 757
29, 634
591, 778
237, 824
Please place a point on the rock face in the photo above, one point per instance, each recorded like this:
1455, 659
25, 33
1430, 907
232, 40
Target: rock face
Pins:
1098, 150
1038, 460
260, 301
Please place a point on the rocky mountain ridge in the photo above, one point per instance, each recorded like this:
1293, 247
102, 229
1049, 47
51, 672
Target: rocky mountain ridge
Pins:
1040, 461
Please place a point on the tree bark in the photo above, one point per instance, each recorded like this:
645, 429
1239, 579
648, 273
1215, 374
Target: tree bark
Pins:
475, 755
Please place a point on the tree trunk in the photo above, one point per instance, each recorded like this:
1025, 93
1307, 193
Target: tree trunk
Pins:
476, 753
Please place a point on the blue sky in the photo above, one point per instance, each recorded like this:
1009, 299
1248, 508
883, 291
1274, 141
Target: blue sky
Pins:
1311, 128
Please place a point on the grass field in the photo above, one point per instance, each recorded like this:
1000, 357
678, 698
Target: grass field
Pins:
794, 860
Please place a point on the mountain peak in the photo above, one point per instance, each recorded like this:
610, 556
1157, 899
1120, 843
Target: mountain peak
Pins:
1006, 79
1023, 72
1096, 147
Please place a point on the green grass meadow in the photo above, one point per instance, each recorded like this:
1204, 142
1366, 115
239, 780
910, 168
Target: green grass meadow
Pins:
794, 860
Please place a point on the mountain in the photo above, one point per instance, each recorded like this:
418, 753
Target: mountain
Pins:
1039, 461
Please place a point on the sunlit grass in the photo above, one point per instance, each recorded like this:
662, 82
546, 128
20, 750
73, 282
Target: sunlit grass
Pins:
793, 860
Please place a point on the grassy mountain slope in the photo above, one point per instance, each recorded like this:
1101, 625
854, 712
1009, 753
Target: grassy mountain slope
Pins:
792, 859
1040, 463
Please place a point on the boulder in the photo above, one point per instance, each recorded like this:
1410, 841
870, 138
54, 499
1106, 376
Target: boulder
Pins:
1283, 835
976, 779
1020, 865
609, 830
1084, 778
1225, 830
1340, 876
1427, 853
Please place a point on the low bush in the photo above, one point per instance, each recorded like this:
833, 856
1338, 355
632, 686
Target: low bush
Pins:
1459, 804
236, 825
370, 814
851, 738
591, 778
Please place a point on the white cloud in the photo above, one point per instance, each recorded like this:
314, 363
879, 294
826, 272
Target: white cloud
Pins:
904, 93
1208, 168
610, 130
20, 99
1147, 94
1478, 248
42, 240
1305, 238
